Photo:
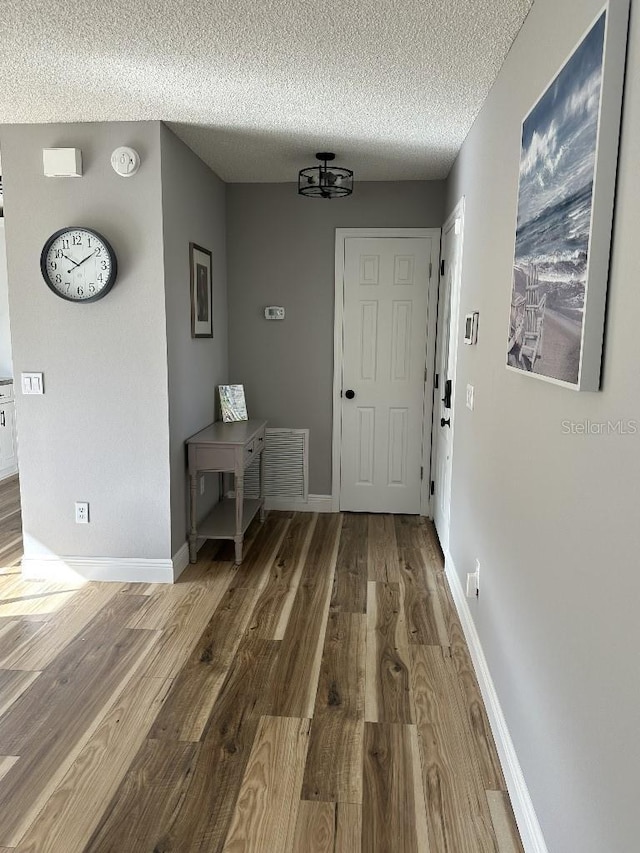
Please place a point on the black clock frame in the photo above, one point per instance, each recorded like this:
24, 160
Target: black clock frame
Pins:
108, 247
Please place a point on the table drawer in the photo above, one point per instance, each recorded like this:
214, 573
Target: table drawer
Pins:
258, 442
248, 454
254, 448
215, 458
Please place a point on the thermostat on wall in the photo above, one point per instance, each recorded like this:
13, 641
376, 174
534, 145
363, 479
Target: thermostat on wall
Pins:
274, 312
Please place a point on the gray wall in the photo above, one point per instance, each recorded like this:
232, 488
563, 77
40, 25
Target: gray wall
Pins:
6, 368
193, 210
553, 517
100, 431
282, 252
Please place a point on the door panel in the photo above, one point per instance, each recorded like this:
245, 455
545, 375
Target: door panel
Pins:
386, 288
366, 445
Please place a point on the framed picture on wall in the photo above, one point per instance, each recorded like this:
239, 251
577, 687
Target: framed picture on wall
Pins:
568, 159
200, 263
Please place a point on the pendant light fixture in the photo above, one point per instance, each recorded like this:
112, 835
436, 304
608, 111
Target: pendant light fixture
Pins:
325, 181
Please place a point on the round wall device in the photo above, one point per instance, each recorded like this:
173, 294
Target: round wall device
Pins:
125, 161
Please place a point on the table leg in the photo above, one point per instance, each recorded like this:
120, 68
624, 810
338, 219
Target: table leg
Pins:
262, 510
193, 533
239, 537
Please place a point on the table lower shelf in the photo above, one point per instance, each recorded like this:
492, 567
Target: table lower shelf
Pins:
221, 521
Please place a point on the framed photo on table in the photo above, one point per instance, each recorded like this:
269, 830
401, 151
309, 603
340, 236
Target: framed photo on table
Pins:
232, 403
200, 264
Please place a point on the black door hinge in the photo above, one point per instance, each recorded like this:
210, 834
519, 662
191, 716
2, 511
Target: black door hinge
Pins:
437, 378
421, 472
442, 267
433, 487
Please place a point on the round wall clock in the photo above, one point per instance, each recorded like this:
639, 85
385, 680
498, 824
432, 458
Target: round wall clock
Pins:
78, 264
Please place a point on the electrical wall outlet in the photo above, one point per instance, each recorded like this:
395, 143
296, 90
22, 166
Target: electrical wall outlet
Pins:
202, 484
82, 512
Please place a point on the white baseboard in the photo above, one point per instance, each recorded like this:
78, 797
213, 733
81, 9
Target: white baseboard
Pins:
525, 814
314, 503
180, 561
70, 569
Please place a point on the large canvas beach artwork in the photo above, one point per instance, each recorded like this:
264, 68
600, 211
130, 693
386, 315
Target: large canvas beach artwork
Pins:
554, 231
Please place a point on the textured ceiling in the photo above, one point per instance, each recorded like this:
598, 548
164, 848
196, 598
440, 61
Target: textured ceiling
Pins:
256, 87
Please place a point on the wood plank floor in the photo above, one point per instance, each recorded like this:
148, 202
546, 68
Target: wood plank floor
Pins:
319, 698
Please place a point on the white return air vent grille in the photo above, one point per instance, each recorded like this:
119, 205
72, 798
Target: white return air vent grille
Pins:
286, 466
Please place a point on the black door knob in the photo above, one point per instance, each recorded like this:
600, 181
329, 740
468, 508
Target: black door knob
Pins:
349, 394
444, 422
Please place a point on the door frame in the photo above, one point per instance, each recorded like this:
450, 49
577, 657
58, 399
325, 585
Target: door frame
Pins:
456, 292
342, 234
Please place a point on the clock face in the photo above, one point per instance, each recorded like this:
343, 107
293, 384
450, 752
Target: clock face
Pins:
78, 264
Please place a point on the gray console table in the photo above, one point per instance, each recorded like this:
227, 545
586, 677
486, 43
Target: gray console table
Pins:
225, 448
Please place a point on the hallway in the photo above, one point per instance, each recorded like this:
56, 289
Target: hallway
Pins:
320, 697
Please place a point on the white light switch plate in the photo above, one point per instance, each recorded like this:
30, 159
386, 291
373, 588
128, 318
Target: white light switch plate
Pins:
470, 391
32, 383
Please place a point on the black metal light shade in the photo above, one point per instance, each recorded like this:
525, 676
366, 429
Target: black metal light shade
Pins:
325, 181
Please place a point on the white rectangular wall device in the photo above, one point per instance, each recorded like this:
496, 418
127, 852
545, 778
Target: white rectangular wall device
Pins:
32, 383
62, 162
274, 312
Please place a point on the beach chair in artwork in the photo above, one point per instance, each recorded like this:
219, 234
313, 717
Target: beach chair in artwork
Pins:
534, 307
516, 328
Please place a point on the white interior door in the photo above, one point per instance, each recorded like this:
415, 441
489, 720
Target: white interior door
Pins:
443, 410
384, 337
